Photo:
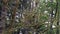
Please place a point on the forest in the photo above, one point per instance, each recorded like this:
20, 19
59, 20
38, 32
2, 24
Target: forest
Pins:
29, 16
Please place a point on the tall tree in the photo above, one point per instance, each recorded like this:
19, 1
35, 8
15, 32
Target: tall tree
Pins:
57, 12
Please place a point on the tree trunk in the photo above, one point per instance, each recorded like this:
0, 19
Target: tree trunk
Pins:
57, 12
